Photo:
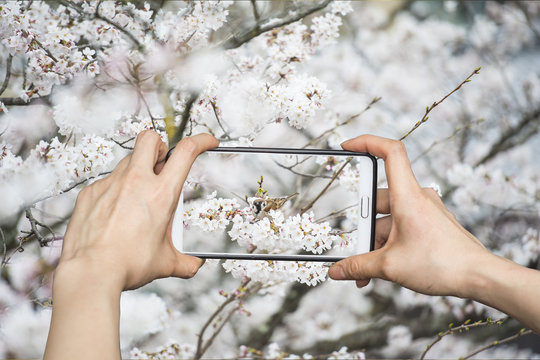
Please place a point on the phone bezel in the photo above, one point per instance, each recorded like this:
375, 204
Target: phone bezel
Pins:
291, 257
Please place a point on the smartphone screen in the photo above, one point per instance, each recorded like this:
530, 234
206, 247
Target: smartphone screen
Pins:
277, 204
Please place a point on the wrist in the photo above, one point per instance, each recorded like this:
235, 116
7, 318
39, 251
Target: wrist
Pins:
485, 275
88, 273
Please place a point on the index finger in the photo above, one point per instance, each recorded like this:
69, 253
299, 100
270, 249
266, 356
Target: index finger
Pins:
182, 157
400, 177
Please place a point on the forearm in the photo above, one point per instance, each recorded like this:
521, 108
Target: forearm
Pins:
86, 312
508, 287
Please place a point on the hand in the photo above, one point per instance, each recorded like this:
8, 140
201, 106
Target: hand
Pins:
420, 245
122, 223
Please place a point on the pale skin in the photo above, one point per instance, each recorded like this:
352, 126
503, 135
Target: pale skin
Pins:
119, 238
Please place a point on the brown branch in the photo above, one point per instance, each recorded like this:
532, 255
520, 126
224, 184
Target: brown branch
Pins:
464, 327
528, 126
225, 133
343, 123
256, 14
11, 101
179, 134
260, 336
8, 75
336, 174
4, 245
457, 131
263, 26
83, 181
218, 330
517, 135
231, 298
290, 168
47, 51
525, 12
522, 332
429, 108
122, 144
33, 225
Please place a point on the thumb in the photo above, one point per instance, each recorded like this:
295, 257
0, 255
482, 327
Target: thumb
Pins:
358, 267
186, 265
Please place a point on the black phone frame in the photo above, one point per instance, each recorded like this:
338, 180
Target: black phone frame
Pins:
293, 151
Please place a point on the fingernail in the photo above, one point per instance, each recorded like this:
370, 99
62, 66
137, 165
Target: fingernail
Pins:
336, 272
345, 142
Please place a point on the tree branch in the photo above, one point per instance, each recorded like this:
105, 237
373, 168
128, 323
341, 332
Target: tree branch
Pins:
33, 225
255, 10
12, 101
343, 123
259, 337
464, 327
429, 108
179, 134
263, 26
8, 75
240, 294
336, 174
517, 135
521, 333
97, 15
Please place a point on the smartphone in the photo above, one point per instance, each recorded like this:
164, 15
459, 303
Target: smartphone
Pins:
277, 204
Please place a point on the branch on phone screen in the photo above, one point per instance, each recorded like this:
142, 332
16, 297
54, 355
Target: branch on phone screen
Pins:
290, 168
335, 214
334, 177
429, 108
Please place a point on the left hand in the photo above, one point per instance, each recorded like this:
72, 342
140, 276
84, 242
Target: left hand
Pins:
122, 223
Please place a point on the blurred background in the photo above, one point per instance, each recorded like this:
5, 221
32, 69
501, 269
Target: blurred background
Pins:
79, 80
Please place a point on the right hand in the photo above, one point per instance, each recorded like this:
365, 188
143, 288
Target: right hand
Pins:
420, 245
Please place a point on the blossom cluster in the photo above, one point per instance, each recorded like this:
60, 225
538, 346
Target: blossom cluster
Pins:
274, 352
172, 350
60, 166
273, 233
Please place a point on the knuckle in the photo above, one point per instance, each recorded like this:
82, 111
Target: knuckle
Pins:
188, 146
387, 267
352, 269
398, 148
147, 134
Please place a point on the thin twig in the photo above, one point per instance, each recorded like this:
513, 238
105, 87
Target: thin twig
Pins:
343, 123
121, 144
336, 174
8, 75
429, 108
176, 137
463, 327
521, 333
456, 132
33, 225
4, 245
525, 12
290, 168
232, 297
47, 51
225, 133
82, 182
